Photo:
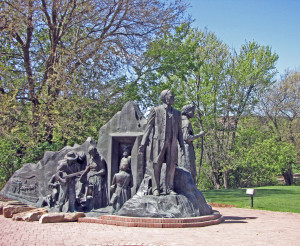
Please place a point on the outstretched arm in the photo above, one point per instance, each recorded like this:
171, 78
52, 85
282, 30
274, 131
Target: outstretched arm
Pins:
84, 173
59, 178
190, 138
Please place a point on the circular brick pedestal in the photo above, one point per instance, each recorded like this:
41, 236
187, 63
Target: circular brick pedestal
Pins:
213, 219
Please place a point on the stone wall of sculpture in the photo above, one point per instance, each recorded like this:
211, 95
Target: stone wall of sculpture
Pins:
123, 132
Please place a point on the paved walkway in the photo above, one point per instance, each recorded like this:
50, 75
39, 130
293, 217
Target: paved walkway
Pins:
242, 227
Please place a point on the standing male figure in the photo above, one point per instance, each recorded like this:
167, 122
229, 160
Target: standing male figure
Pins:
162, 132
66, 173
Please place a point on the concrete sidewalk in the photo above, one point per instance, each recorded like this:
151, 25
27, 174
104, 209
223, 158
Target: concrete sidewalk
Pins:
242, 227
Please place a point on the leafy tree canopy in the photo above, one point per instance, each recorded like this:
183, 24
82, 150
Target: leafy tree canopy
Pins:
64, 65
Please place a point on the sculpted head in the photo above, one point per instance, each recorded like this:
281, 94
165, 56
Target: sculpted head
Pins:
125, 166
125, 153
71, 157
92, 150
167, 97
188, 110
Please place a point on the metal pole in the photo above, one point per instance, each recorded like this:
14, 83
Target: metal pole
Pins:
252, 201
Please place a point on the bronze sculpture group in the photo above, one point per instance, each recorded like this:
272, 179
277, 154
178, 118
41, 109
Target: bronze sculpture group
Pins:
80, 181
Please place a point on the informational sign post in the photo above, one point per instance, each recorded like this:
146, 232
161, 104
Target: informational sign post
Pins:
251, 192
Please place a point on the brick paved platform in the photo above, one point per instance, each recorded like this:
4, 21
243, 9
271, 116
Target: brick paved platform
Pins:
214, 219
241, 227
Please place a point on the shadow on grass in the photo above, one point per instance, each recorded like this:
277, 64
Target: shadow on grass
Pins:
237, 219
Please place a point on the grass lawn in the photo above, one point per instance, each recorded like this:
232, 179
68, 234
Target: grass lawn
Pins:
272, 198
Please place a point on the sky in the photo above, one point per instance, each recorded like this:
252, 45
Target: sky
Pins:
269, 22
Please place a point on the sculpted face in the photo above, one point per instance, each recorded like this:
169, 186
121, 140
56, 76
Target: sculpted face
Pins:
92, 151
169, 98
125, 154
191, 113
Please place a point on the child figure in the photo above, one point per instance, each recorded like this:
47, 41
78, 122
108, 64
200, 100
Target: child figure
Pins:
121, 185
126, 159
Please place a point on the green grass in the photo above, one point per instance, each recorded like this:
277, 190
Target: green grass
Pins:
272, 198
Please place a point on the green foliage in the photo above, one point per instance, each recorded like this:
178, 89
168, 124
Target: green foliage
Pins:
222, 84
9, 159
260, 157
281, 104
204, 178
272, 198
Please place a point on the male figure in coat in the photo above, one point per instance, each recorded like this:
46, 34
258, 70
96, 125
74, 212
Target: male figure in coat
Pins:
162, 134
66, 173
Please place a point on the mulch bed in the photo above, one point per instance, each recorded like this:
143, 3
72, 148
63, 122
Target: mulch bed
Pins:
221, 205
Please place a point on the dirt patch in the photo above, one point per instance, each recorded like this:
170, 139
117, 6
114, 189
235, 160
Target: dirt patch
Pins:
221, 205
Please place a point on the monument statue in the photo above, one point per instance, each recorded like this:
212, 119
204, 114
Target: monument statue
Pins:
188, 160
67, 171
121, 185
96, 188
76, 178
161, 137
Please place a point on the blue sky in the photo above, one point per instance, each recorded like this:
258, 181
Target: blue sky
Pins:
269, 22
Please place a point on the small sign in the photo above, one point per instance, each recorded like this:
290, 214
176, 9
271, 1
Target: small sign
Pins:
250, 192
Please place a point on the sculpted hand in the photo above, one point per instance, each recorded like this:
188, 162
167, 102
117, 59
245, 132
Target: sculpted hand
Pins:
63, 181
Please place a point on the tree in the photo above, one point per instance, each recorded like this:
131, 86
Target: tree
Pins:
281, 104
259, 155
223, 85
51, 43
59, 57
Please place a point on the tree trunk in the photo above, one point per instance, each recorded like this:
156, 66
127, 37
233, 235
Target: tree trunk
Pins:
288, 176
201, 159
216, 181
225, 179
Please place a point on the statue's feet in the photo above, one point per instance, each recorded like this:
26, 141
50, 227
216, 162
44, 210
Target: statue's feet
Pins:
156, 193
171, 192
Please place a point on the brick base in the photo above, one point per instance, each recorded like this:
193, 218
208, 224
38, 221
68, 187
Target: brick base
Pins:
213, 219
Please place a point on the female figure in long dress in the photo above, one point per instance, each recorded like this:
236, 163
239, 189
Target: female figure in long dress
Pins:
188, 161
95, 171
